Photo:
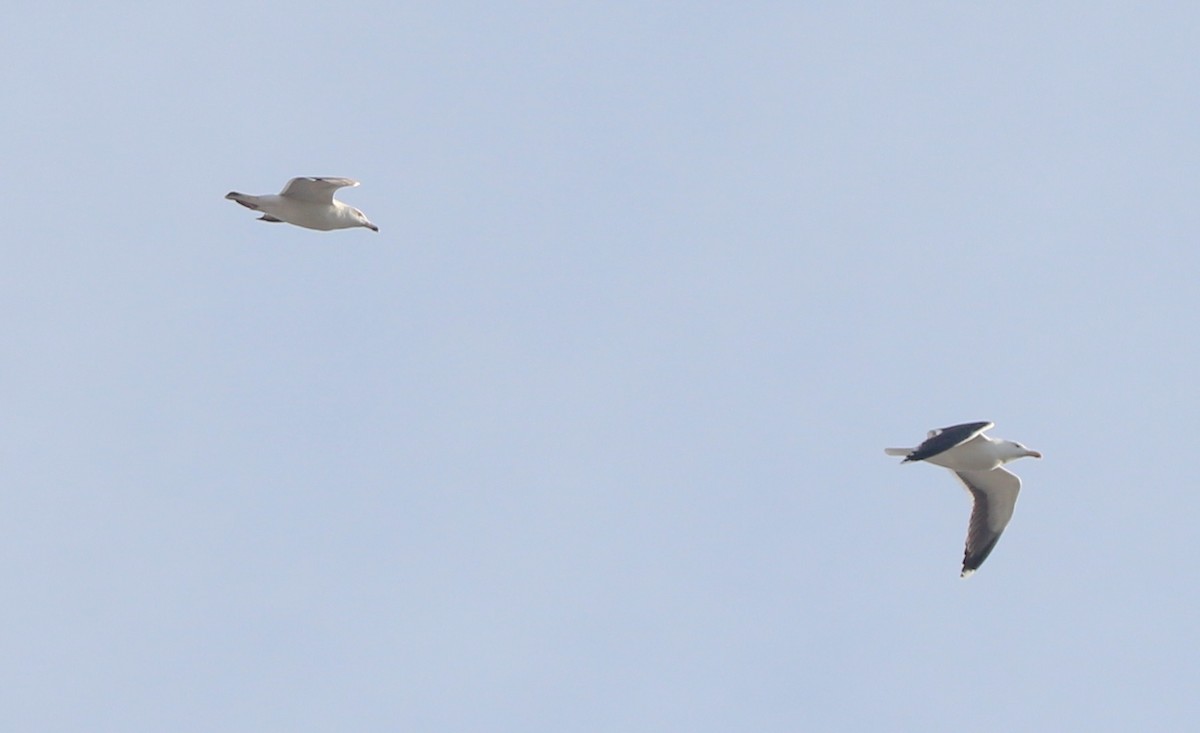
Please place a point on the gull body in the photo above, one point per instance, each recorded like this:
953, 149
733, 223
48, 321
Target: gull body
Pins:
977, 461
307, 202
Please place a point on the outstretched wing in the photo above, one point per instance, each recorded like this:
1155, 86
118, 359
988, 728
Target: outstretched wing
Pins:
315, 190
995, 495
943, 439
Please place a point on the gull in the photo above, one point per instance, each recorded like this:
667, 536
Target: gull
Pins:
307, 202
978, 462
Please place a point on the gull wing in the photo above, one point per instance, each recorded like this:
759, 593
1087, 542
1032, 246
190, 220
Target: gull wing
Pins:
943, 439
995, 495
315, 190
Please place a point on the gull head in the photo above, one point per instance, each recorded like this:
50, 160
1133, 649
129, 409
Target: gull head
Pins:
362, 221
1014, 450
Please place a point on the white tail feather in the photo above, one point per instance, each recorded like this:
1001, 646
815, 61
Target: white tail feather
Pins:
250, 202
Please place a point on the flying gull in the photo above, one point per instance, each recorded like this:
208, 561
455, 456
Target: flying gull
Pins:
307, 202
978, 462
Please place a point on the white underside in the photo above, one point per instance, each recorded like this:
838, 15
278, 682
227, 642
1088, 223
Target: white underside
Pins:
303, 214
977, 454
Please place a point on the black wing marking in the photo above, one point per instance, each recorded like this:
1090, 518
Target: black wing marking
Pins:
946, 438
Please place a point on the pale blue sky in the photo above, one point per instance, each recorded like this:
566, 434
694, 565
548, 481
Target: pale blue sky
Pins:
589, 437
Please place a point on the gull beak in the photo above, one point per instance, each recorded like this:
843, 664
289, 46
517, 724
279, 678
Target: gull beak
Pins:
1034, 454
372, 227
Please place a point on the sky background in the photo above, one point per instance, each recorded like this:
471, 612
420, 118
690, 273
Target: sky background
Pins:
590, 436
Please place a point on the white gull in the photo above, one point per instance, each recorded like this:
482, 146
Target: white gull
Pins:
307, 202
977, 461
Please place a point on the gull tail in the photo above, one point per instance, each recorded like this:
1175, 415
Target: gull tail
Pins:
245, 199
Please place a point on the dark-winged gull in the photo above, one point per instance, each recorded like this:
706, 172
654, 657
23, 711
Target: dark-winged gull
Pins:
978, 462
307, 202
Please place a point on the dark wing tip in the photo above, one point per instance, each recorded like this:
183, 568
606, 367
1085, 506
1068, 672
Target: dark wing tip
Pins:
973, 560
